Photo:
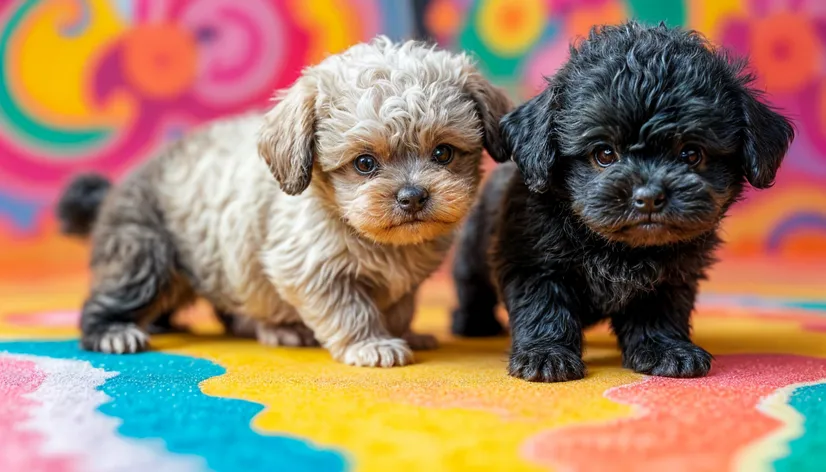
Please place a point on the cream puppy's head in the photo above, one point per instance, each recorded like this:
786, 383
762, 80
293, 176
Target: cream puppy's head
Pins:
389, 135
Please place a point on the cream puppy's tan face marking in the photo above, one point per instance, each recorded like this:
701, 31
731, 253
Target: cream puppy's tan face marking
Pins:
391, 135
408, 194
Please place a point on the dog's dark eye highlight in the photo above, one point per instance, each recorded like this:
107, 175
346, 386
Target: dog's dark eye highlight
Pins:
365, 164
443, 154
605, 156
691, 155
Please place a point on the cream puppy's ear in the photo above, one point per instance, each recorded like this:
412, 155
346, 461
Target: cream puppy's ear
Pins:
287, 138
491, 104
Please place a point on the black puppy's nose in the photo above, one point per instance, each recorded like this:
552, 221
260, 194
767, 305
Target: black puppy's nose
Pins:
649, 199
412, 198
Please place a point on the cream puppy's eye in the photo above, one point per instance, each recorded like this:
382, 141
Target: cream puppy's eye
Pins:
365, 164
443, 154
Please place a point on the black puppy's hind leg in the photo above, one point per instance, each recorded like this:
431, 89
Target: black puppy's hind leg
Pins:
476, 314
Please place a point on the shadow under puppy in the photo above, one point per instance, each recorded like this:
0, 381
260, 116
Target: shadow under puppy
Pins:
624, 167
377, 155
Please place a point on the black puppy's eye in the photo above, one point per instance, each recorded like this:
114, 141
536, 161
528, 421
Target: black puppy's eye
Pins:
365, 164
691, 155
605, 156
443, 154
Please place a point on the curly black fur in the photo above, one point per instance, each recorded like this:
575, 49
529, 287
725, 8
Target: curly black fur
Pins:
570, 242
78, 207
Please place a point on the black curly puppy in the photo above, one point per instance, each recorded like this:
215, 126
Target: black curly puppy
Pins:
627, 163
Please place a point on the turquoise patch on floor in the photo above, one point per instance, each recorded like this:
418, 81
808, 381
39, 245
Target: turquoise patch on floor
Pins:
157, 396
808, 452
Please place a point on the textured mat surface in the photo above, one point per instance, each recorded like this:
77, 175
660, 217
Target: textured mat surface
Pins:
206, 402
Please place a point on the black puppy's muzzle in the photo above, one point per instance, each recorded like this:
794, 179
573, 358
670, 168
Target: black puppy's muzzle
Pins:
649, 198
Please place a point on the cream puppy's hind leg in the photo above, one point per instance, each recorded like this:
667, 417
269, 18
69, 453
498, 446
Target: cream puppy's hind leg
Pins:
135, 274
268, 333
285, 334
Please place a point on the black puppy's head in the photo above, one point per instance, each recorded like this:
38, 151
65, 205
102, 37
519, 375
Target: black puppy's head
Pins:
650, 133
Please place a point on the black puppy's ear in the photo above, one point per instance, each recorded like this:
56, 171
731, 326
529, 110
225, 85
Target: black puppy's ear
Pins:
529, 138
766, 139
491, 104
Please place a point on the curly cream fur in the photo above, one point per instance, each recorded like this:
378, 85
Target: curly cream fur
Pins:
329, 248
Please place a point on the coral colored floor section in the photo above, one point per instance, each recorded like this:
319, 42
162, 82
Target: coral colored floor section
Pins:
722, 405
206, 402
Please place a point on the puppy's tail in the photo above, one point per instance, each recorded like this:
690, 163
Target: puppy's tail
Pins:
78, 207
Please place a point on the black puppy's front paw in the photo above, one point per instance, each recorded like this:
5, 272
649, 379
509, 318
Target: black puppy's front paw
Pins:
556, 364
679, 359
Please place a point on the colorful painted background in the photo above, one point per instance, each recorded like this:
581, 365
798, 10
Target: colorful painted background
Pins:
100, 85
97, 84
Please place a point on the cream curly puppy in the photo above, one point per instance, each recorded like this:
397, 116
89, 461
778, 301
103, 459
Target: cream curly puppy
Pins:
318, 219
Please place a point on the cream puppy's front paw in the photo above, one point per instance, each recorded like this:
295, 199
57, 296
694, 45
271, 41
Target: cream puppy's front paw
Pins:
382, 352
